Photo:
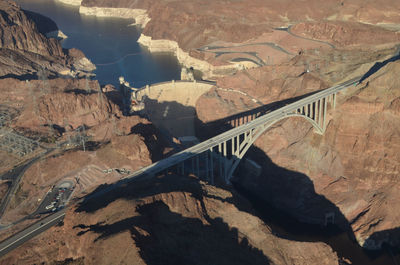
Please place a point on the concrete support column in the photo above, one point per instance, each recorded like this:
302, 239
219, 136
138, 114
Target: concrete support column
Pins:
197, 167
224, 147
225, 169
212, 166
312, 110
237, 146
220, 164
316, 112
181, 168
325, 109
233, 146
306, 110
319, 112
334, 100
206, 164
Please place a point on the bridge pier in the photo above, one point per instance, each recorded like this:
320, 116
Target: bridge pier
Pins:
212, 166
319, 112
197, 166
206, 165
312, 110
324, 118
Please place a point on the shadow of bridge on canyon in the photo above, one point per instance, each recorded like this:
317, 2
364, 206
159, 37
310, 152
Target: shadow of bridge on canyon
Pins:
278, 195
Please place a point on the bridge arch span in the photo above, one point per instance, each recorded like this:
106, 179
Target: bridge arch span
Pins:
221, 154
260, 131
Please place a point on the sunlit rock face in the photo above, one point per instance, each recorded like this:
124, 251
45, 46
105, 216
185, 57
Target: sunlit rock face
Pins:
25, 51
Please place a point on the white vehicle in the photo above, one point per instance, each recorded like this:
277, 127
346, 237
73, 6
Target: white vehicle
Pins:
49, 206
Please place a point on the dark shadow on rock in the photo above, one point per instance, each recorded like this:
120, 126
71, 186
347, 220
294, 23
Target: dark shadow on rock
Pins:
115, 97
44, 24
171, 116
387, 240
60, 130
20, 77
172, 119
151, 138
136, 190
78, 91
290, 192
34, 76
375, 68
174, 239
93, 145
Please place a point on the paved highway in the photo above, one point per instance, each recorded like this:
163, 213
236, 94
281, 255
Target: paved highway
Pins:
16, 175
33, 230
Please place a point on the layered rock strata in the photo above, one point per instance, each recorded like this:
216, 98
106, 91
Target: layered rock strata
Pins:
26, 52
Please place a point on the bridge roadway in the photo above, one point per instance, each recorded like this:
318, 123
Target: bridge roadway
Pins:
224, 137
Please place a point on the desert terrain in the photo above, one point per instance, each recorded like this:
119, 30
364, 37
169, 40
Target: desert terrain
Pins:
259, 53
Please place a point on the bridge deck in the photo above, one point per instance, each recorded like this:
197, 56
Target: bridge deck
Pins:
221, 138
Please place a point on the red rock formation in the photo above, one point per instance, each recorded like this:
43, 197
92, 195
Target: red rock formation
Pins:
346, 33
170, 220
24, 51
17, 32
354, 165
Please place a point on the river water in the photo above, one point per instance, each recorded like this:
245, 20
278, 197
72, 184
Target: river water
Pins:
109, 43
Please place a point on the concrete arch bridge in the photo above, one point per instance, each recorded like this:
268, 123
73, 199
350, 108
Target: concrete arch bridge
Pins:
220, 155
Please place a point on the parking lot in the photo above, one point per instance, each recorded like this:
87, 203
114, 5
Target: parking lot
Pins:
57, 197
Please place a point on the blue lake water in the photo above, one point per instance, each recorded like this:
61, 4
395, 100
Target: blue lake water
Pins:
110, 44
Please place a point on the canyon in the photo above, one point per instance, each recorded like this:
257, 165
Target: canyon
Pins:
273, 52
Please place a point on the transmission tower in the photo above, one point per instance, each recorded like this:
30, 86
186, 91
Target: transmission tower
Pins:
5, 116
115, 128
87, 86
83, 138
15, 143
44, 90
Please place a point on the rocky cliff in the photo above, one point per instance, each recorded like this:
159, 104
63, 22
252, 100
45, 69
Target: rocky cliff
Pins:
351, 170
26, 52
168, 220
